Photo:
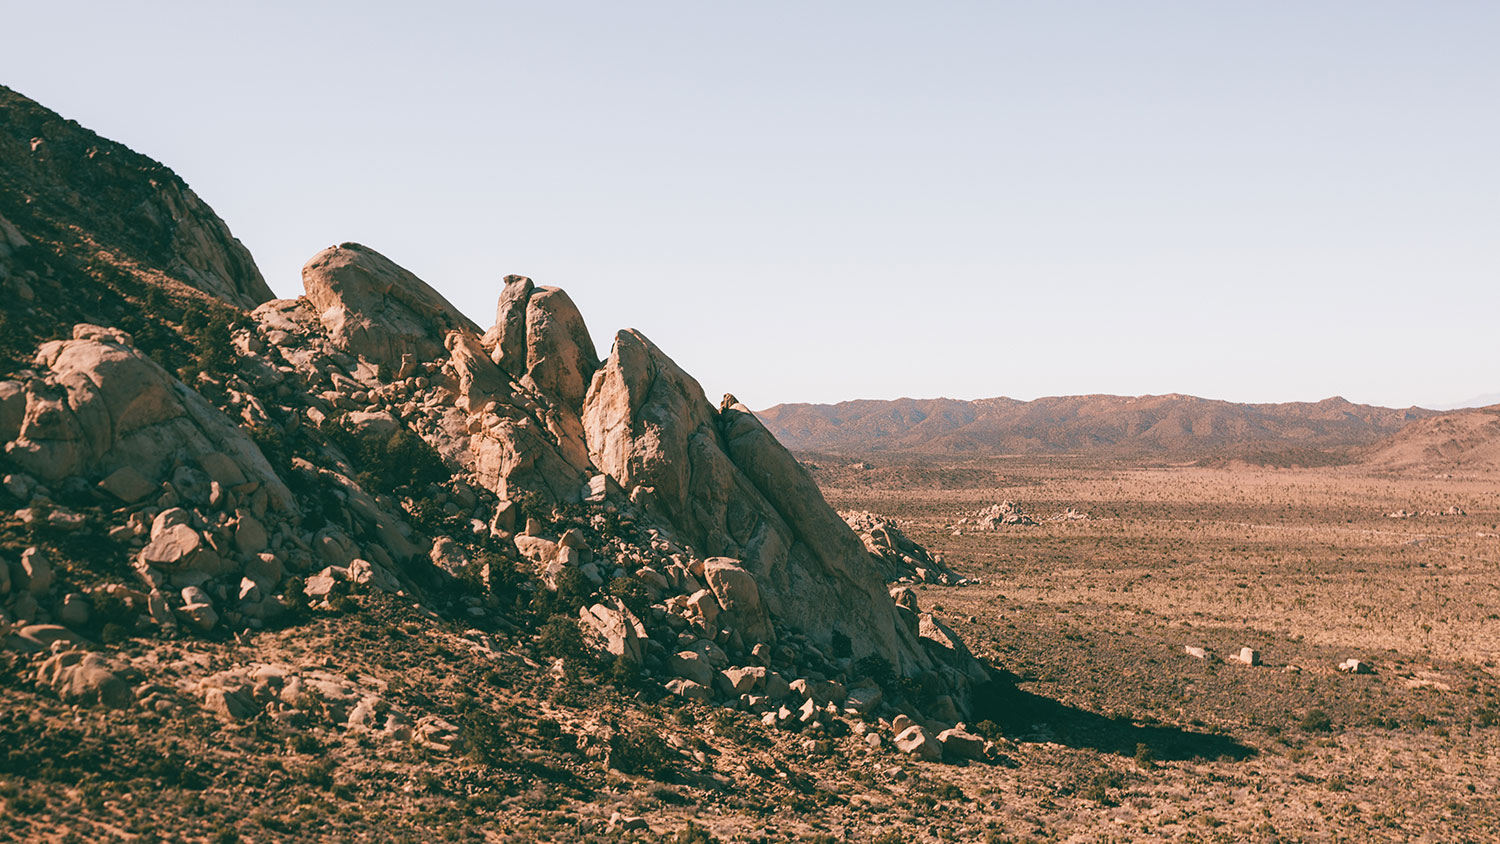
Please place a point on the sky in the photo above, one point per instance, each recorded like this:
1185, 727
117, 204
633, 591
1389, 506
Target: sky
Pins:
815, 202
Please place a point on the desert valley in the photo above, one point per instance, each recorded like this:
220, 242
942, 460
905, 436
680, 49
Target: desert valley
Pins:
351, 567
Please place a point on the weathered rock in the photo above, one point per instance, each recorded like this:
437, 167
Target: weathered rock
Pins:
1248, 656
249, 534
914, 741
375, 309
731, 490
959, 743
733, 682
74, 610
127, 484
1195, 651
1356, 666
864, 700
739, 598
36, 571
691, 665
100, 404
820, 691
688, 689
230, 704
198, 609
379, 423
39, 637
449, 556
83, 677
179, 547
131, 215
621, 633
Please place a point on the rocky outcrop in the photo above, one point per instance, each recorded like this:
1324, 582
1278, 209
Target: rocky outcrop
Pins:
901, 559
368, 437
377, 310
725, 484
97, 406
72, 190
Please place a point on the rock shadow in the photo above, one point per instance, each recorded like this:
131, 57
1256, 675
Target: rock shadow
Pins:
1026, 716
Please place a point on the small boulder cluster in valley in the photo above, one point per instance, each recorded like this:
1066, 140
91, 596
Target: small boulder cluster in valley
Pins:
1009, 514
1403, 513
1252, 657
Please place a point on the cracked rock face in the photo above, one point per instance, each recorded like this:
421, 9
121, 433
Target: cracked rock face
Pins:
731, 489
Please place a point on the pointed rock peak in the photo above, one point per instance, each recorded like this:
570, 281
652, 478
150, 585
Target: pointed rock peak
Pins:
509, 333
378, 310
728, 402
540, 337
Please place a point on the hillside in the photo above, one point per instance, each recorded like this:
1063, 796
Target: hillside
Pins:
1459, 441
349, 566
1169, 427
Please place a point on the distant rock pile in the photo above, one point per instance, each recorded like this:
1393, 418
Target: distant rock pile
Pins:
1403, 513
901, 560
1010, 514
996, 516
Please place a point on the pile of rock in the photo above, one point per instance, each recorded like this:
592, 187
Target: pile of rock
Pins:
994, 517
1404, 513
613, 478
900, 559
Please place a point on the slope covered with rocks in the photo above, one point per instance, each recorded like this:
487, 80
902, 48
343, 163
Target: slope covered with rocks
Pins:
195, 471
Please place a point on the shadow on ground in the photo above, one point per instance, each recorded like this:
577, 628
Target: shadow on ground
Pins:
1021, 714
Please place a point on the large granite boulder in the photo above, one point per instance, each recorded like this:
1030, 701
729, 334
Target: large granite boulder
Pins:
96, 405
374, 308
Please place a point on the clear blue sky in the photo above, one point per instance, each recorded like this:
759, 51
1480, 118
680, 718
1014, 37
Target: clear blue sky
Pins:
823, 201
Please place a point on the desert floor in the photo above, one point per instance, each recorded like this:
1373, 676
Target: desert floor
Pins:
1108, 730
1092, 618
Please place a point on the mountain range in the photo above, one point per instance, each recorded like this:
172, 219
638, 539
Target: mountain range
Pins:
1170, 426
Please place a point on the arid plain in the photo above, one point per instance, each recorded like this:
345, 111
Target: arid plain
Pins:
1309, 567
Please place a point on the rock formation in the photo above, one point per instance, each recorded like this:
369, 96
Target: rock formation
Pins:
901, 560
249, 466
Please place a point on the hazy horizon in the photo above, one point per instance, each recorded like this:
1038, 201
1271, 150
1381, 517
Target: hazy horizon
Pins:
1260, 204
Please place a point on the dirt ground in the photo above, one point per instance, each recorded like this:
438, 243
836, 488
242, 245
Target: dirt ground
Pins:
1092, 618
1107, 729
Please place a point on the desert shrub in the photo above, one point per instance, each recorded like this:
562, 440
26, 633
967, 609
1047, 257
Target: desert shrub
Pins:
693, 834
989, 730
632, 593
1098, 789
560, 637
1144, 758
623, 672
208, 333
1316, 721
877, 668
387, 463
320, 773
641, 752
486, 737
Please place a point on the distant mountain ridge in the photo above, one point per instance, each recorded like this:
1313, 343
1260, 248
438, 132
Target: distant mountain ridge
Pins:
1170, 425
1463, 440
